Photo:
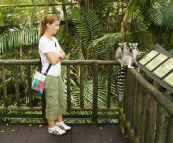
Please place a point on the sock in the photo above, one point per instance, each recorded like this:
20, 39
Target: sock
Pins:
53, 128
59, 123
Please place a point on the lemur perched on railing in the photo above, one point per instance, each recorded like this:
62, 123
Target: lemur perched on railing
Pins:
127, 58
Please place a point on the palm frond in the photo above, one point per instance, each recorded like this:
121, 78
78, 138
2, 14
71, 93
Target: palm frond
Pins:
102, 48
14, 39
158, 12
88, 28
158, 16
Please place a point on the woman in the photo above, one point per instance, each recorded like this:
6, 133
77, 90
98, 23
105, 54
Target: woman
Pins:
51, 53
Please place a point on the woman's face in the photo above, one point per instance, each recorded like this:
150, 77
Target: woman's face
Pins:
53, 27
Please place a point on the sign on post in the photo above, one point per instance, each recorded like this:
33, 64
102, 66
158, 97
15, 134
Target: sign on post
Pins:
157, 63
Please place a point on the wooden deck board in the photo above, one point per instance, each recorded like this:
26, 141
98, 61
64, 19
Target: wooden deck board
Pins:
111, 133
92, 134
80, 133
22, 134
9, 134
2, 128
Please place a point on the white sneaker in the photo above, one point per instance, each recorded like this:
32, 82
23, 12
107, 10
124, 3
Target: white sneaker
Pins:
63, 126
57, 131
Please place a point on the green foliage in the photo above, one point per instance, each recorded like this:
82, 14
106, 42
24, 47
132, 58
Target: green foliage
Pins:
102, 48
158, 16
9, 18
169, 48
91, 42
17, 38
88, 28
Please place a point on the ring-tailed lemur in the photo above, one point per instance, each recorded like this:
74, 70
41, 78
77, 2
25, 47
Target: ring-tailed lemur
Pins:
119, 56
120, 51
127, 59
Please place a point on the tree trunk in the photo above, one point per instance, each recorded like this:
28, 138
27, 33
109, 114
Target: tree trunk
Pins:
116, 27
65, 16
66, 20
107, 19
21, 48
125, 21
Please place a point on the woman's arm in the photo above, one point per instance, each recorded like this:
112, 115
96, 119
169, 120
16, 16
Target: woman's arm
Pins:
62, 54
54, 58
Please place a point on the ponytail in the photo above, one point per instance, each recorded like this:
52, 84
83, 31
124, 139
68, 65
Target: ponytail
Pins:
42, 28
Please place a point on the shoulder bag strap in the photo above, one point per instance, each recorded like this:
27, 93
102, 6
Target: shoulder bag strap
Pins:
46, 72
48, 66
39, 65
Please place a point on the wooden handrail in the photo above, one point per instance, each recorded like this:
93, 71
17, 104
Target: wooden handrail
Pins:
81, 64
147, 113
166, 103
64, 62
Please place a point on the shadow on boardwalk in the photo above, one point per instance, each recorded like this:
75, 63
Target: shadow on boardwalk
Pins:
80, 133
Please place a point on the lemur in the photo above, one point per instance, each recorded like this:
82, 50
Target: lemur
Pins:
120, 51
127, 59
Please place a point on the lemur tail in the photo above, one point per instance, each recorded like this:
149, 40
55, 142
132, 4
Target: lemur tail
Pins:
120, 83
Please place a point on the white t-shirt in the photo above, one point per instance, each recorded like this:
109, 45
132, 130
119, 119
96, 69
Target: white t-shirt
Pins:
46, 45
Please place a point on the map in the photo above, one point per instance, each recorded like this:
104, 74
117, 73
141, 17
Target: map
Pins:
148, 57
156, 61
163, 69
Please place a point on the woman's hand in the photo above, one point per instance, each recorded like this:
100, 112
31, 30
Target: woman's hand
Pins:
53, 58
58, 55
63, 55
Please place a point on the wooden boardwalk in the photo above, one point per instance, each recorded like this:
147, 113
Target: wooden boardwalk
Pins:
80, 133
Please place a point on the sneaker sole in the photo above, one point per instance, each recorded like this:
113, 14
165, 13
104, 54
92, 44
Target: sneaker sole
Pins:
56, 133
67, 129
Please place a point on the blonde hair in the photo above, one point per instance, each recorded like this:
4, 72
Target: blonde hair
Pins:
49, 18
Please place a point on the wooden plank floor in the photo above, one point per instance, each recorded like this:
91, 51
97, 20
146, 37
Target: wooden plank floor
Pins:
80, 133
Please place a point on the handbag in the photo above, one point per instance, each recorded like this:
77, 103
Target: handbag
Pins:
38, 80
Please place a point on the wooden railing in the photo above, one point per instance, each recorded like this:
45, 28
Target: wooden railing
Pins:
147, 113
12, 68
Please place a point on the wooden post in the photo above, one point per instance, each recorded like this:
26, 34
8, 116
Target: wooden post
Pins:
95, 92
68, 87
109, 86
16, 82
29, 94
4, 87
143, 115
81, 86
150, 120
133, 100
137, 128
159, 134
169, 132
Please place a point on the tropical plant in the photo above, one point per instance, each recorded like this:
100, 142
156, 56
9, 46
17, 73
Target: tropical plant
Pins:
102, 48
17, 38
158, 16
91, 43
88, 28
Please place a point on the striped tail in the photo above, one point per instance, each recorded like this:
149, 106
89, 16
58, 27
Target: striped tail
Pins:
120, 83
